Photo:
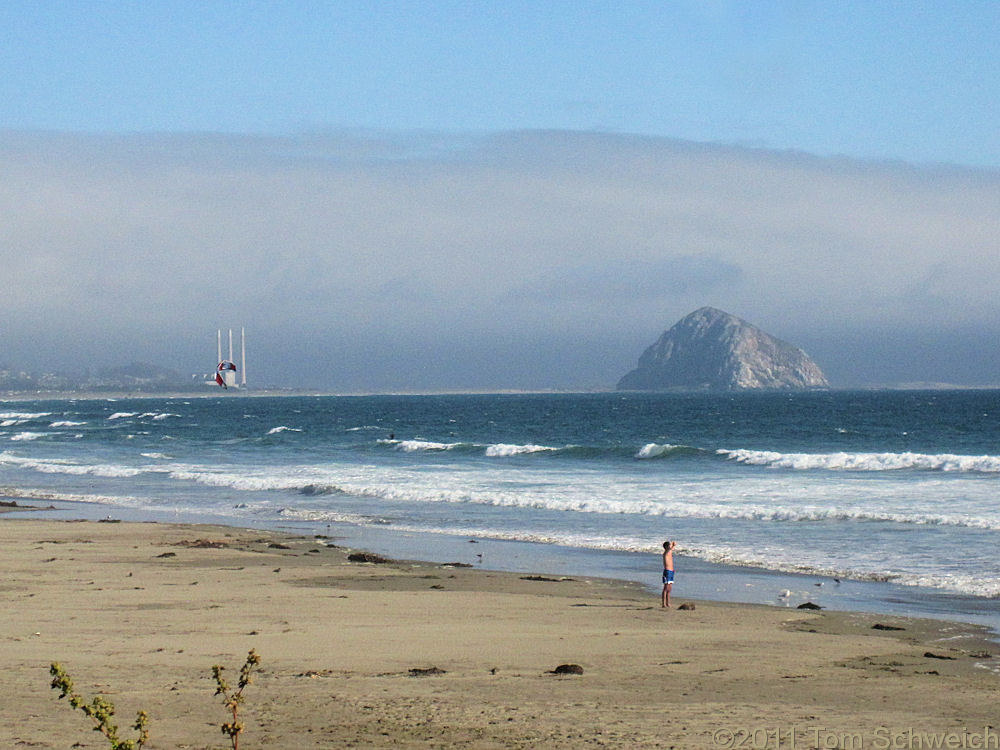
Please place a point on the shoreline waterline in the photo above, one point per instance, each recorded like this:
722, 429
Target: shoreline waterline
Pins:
697, 579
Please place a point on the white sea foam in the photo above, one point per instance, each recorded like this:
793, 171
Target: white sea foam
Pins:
410, 446
582, 498
500, 450
67, 423
282, 428
866, 461
25, 436
25, 415
155, 415
55, 466
67, 497
656, 450
159, 456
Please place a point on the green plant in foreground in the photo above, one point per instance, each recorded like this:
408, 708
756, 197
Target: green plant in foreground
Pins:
100, 710
233, 698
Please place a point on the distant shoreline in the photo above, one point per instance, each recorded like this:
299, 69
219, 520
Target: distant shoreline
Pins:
18, 396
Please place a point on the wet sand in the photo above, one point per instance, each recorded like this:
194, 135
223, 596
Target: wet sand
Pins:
140, 612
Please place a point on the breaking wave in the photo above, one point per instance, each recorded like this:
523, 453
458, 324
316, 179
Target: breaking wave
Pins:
23, 416
665, 450
158, 416
62, 466
501, 450
282, 428
866, 461
24, 436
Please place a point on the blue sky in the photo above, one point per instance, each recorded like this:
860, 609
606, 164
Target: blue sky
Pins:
473, 195
913, 81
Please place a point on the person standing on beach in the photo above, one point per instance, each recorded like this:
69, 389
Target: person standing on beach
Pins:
668, 573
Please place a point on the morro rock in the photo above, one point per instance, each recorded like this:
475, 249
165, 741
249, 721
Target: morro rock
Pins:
711, 350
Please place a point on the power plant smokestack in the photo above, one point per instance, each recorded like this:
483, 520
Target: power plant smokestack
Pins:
225, 374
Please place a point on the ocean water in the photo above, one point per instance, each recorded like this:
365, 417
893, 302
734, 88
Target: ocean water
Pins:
900, 489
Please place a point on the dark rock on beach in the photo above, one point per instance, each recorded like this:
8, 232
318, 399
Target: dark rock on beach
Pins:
808, 605
429, 671
567, 669
367, 557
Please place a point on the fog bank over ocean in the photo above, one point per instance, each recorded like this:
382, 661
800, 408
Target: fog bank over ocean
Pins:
379, 261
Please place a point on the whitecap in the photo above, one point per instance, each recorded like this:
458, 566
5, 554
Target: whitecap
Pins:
26, 415
865, 461
501, 450
410, 446
282, 428
656, 450
22, 436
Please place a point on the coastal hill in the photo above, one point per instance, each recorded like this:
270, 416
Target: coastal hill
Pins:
715, 351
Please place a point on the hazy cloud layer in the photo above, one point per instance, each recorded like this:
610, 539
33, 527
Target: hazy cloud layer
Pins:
521, 260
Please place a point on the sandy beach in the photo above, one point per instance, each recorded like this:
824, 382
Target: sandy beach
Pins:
140, 612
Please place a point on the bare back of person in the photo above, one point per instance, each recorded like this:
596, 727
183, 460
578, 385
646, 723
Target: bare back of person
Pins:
668, 573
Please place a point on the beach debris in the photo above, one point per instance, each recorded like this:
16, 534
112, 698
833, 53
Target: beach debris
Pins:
567, 669
367, 557
425, 672
276, 545
456, 565
882, 626
687, 607
168, 554
109, 520
808, 605
8, 504
544, 578
932, 655
201, 543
